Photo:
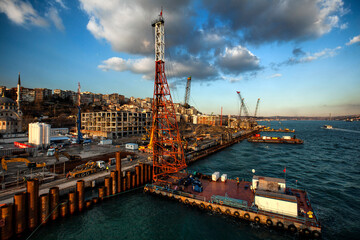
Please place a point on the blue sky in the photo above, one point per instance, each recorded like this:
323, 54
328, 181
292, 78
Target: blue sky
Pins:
298, 57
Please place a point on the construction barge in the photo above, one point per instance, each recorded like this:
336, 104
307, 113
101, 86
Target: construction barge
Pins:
285, 139
267, 129
264, 200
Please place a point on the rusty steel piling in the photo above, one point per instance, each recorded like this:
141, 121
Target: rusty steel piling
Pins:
6, 213
64, 208
33, 196
19, 213
102, 191
72, 202
137, 171
113, 176
44, 208
80, 190
107, 184
54, 202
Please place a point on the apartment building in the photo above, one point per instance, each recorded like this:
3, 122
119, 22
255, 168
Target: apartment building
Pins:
115, 124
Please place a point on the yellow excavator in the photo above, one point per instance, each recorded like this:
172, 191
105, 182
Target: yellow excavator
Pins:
29, 164
70, 157
148, 148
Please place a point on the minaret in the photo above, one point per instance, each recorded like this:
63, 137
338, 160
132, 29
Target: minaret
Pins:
18, 94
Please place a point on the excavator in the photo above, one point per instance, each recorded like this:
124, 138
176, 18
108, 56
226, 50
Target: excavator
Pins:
29, 164
70, 157
148, 148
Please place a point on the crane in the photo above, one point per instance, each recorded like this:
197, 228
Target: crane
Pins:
257, 107
187, 92
78, 121
243, 105
168, 154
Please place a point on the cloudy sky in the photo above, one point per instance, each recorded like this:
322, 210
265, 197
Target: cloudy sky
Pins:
298, 57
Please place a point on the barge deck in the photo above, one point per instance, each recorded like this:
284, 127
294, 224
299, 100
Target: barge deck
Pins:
238, 199
275, 140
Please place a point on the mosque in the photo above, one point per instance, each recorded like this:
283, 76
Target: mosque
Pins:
10, 113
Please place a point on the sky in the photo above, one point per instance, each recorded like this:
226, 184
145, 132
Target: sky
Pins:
301, 58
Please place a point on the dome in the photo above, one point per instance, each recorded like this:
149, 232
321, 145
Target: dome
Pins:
6, 101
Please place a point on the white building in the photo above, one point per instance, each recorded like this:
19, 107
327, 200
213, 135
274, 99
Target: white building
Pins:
39, 134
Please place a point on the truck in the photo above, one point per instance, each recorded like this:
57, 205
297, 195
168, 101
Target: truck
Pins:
87, 169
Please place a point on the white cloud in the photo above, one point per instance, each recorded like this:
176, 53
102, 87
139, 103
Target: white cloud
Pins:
322, 54
22, 13
276, 75
234, 80
54, 17
146, 67
61, 3
237, 60
344, 26
355, 39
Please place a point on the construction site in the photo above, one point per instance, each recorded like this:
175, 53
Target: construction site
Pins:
135, 149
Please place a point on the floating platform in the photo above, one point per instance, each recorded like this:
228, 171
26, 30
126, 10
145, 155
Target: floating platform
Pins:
277, 130
265, 139
241, 199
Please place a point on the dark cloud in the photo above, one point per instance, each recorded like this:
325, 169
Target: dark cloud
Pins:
274, 20
298, 52
198, 41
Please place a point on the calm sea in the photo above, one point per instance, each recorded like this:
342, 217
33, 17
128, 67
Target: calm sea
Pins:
327, 165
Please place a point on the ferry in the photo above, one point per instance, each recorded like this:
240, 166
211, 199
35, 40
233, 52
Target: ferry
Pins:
328, 127
265, 200
285, 139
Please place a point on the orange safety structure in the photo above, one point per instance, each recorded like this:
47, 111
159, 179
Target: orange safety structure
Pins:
168, 154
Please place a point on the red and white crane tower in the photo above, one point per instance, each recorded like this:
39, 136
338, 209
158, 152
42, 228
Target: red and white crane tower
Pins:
168, 154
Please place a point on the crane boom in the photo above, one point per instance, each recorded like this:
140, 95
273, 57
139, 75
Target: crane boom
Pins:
187, 92
257, 107
243, 105
78, 122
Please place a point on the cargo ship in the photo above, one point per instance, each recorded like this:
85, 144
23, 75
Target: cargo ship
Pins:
265, 200
285, 139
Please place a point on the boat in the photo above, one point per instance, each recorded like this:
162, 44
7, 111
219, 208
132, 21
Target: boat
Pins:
264, 200
328, 127
285, 139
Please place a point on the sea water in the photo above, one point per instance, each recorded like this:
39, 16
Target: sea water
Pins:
327, 166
